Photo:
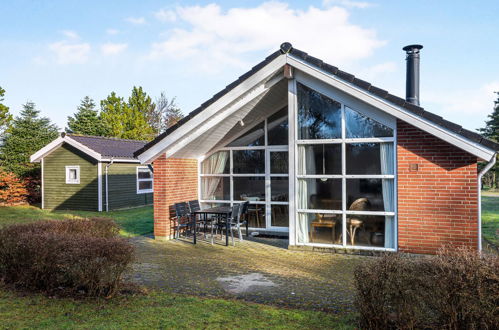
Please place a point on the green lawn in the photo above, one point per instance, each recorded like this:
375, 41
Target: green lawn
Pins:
155, 310
133, 222
490, 218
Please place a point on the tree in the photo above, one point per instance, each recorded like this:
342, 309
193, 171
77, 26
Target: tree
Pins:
28, 133
165, 115
5, 116
128, 120
491, 131
86, 120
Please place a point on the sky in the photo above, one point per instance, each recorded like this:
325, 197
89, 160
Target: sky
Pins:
56, 52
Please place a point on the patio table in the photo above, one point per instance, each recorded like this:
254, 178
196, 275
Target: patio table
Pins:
223, 211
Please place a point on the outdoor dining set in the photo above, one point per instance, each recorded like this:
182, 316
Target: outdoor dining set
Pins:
191, 219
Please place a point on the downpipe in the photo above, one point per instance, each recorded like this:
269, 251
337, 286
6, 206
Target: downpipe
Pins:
487, 168
107, 184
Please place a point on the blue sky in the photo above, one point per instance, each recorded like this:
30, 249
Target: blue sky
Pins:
56, 52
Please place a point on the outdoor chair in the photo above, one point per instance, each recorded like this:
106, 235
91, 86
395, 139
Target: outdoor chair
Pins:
182, 220
243, 219
194, 207
233, 222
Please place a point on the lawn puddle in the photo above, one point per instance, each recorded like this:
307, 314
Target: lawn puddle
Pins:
248, 283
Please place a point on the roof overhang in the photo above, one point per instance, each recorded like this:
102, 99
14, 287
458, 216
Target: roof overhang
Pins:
260, 82
49, 148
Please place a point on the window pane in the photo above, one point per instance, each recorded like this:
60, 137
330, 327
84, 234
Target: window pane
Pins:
280, 215
248, 161
73, 174
279, 162
319, 228
217, 188
319, 194
360, 126
370, 195
145, 185
144, 173
279, 189
249, 188
319, 159
277, 126
254, 137
256, 216
319, 117
217, 163
369, 158
367, 230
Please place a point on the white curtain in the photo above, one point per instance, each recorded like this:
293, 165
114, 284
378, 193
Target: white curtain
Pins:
215, 164
305, 156
387, 168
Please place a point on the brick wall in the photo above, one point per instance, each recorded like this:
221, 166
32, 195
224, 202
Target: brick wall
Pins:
175, 180
437, 204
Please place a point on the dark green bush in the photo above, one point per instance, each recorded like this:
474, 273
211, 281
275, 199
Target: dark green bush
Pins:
77, 257
457, 289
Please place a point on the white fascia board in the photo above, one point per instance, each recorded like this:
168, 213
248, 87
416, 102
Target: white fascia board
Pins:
159, 148
57, 143
394, 110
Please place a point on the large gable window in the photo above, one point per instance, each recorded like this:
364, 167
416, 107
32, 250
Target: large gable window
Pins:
144, 180
345, 174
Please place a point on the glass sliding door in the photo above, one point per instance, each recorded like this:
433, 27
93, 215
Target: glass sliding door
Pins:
345, 175
254, 168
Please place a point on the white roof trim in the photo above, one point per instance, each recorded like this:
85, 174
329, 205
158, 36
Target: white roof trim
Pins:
213, 109
394, 110
37, 156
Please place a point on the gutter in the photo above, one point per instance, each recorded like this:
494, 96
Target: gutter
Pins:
107, 184
491, 164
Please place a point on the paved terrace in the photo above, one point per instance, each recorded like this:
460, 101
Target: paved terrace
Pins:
260, 270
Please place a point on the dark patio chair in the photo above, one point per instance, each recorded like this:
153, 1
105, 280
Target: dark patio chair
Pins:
233, 222
183, 220
243, 219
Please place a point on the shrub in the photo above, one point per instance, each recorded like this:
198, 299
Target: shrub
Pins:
12, 190
33, 186
77, 257
454, 290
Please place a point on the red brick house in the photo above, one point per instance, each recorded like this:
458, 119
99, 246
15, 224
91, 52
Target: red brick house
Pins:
326, 158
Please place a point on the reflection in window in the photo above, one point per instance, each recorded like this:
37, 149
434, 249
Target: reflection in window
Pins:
279, 162
217, 163
280, 215
360, 126
215, 188
254, 137
279, 189
249, 189
248, 161
277, 126
319, 194
319, 117
370, 195
317, 159
369, 158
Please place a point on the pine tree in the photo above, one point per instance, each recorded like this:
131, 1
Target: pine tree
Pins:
165, 115
29, 133
5, 116
86, 120
114, 115
491, 131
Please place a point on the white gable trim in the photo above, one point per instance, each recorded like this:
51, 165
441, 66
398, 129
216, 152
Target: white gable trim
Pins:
394, 110
35, 158
207, 114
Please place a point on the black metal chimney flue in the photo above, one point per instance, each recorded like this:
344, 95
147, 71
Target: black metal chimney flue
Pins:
412, 73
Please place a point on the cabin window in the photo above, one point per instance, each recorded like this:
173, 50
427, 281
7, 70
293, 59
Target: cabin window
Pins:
73, 174
144, 180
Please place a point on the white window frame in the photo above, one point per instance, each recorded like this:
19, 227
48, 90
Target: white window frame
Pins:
68, 170
144, 191
343, 176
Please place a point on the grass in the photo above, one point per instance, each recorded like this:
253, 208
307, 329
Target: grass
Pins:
490, 218
156, 310
133, 222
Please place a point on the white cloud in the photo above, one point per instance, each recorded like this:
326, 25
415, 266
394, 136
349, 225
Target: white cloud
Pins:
217, 38
69, 52
113, 48
136, 20
70, 34
165, 15
377, 70
112, 32
347, 3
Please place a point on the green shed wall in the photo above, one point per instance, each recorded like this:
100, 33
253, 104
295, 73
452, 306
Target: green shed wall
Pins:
61, 196
123, 187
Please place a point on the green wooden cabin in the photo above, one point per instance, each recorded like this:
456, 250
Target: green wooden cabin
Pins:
93, 174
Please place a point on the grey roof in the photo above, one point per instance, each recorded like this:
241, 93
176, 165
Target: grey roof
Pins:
345, 76
109, 147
